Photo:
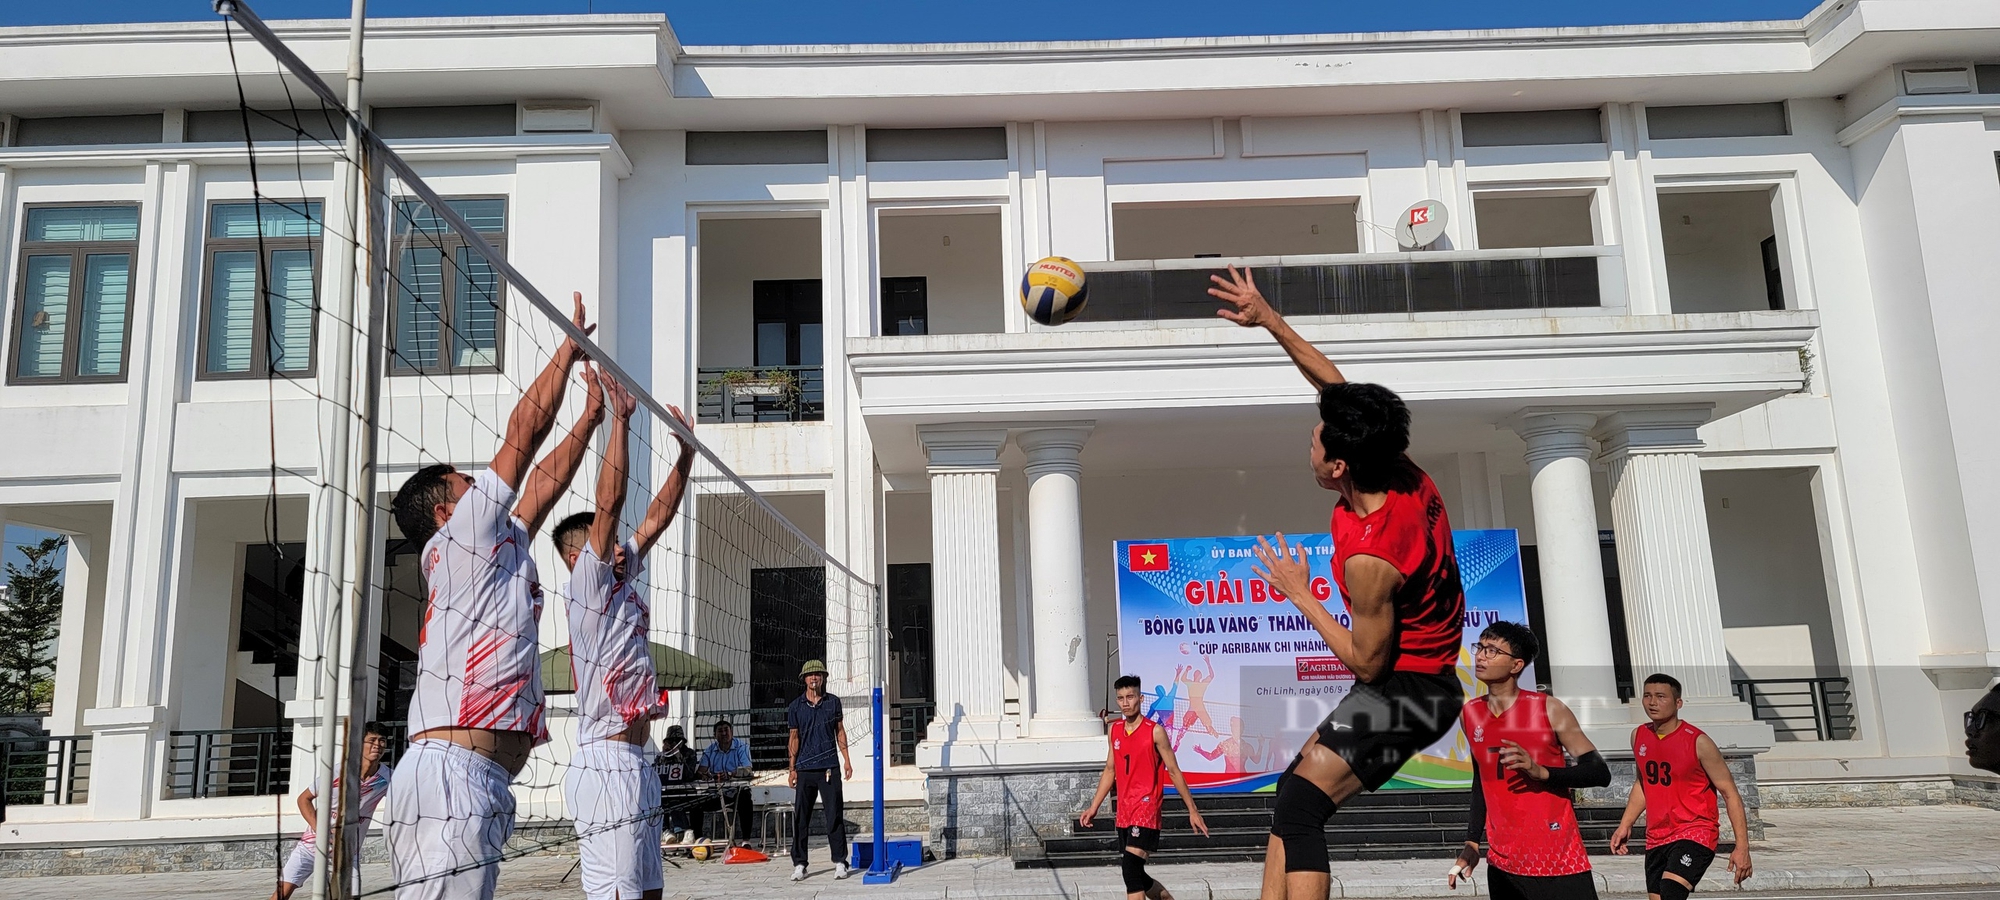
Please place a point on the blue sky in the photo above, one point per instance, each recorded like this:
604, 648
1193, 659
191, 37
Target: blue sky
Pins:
869, 21
16, 536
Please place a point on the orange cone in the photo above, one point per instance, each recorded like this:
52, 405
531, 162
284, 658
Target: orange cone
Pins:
743, 855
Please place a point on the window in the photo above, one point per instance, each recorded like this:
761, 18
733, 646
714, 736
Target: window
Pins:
449, 300
257, 313
904, 302
73, 319
71, 131
788, 322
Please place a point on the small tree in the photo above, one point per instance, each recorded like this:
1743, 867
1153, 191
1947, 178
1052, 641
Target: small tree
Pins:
28, 628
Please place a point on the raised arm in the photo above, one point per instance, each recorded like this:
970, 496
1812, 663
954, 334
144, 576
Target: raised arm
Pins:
661, 512
1366, 649
535, 415
1253, 311
611, 477
553, 474
1732, 800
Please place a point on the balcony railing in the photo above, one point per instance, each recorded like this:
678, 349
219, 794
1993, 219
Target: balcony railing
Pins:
1552, 278
1801, 709
229, 762
911, 719
44, 771
760, 394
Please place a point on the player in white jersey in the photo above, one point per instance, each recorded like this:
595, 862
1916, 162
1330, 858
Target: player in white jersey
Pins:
374, 784
477, 709
611, 789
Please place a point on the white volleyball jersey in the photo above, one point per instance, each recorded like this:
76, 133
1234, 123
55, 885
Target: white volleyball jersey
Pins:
610, 657
477, 653
373, 789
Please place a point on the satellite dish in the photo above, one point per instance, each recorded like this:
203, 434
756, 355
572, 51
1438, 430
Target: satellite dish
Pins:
1420, 225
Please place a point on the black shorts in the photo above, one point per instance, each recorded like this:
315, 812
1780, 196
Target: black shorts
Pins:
1378, 727
1687, 859
1504, 886
1140, 838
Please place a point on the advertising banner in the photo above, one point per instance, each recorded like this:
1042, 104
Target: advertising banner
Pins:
1240, 679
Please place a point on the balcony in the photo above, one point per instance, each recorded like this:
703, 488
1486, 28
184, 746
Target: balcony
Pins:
44, 771
229, 762
760, 394
1356, 284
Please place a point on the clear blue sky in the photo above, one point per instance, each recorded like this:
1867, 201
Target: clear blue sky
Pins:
870, 21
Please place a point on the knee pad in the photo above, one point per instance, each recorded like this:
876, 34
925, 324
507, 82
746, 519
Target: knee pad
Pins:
1673, 890
1134, 868
1299, 820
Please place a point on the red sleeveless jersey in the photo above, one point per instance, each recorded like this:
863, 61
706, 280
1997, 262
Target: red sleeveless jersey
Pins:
1411, 532
1141, 777
1530, 827
1680, 800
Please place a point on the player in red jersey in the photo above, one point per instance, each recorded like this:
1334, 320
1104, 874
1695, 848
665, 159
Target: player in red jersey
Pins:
1680, 773
1398, 576
1139, 756
1521, 805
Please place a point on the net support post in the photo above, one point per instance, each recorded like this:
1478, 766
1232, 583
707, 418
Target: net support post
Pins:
879, 870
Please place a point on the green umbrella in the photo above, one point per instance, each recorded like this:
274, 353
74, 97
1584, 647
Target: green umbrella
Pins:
677, 670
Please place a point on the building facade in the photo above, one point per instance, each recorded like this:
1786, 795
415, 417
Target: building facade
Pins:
1707, 325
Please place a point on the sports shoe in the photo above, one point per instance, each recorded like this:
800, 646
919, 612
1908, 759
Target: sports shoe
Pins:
840, 870
798, 873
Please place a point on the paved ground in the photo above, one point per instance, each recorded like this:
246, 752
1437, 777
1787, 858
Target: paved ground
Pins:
1906, 852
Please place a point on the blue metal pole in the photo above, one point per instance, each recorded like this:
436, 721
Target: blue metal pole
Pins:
878, 863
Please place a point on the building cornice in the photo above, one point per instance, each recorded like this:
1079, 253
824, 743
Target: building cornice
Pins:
603, 146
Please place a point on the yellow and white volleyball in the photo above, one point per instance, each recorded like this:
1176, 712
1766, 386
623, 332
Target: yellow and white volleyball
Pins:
1052, 291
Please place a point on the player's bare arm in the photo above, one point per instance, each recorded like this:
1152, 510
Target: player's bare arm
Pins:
1371, 583
1725, 784
1104, 782
792, 759
660, 513
612, 476
1635, 806
306, 808
1250, 310
535, 416
1166, 752
1589, 769
846, 762
554, 473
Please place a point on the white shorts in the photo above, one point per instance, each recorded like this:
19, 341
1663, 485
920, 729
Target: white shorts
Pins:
300, 864
450, 814
613, 795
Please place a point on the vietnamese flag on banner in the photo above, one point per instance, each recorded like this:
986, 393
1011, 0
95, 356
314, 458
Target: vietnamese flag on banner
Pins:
1146, 557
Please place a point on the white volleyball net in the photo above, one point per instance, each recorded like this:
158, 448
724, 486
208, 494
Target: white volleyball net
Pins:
462, 630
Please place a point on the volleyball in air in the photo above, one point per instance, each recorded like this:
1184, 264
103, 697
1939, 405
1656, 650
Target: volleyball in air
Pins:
1053, 291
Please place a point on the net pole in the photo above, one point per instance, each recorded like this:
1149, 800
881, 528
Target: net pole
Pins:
878, 866
343, 492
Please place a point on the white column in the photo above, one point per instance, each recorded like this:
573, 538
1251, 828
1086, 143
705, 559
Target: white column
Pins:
1055, 546
965, 580
1673, 613
1574, 616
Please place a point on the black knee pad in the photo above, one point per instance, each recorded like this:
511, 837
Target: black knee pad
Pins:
1299, 820
1673, 890
1134, 867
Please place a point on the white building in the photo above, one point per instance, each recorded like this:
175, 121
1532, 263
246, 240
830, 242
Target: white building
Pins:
1709, 325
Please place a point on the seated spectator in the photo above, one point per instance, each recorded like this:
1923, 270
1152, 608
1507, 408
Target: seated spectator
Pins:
676, 764
726, 758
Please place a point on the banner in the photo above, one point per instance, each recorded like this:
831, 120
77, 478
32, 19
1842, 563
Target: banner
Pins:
1239, 679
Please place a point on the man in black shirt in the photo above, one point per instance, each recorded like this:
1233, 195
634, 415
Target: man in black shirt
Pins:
818, 741
676, 764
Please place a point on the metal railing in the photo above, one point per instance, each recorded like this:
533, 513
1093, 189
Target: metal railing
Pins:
1354, 284
760, 394
44, 770
911, 719
229, 762
1801, 709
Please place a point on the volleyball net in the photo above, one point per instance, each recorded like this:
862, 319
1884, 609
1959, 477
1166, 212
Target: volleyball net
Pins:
737, 594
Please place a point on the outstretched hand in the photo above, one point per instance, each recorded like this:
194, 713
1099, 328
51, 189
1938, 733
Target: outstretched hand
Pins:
1239, 290
577, 318
593, 393
623, 404
1284, 567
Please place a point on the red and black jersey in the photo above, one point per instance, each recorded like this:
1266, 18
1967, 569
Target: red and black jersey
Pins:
1530, 827
1680, 800
1141, 777
1411, 532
